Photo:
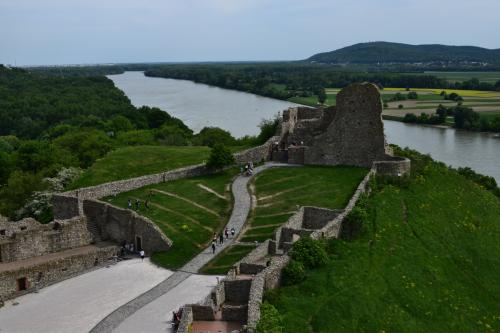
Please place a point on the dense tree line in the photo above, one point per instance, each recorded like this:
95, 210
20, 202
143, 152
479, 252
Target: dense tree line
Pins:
285, 80
49, 124
463, 118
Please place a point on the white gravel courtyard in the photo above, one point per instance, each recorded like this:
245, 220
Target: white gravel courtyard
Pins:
78, 304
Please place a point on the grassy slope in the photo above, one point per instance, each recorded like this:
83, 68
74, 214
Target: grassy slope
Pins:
188, 225
287, 189
129, 162
429, 262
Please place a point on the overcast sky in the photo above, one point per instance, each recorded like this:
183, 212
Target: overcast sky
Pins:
103, 31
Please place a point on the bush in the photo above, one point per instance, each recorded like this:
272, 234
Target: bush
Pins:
353, 222
412, 95
293, 273
270, 319
400, 106
220, 157
410, 118
309, 252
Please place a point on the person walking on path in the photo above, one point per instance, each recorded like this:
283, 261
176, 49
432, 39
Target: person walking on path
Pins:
232, 232
213, 247
142, 254
226, 233
221, 238
129, 204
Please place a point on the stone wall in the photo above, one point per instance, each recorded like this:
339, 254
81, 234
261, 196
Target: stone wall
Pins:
39, 275
334, 227
236, 291
70, 203
124, 226
28, 238
317, 218
186, 320
63, 207
394, 166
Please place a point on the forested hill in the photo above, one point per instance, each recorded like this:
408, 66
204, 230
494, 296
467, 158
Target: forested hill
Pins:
386, 53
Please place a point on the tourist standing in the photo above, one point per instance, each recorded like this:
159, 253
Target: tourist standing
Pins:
142, 253
226, 233
232, 232
213, 247
129, 204
221, 238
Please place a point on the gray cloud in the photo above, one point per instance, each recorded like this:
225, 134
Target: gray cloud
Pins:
99, 31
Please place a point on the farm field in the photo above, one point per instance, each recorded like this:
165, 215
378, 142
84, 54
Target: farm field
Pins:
189, 211
280, 192
484, 102
490, 77
419, 265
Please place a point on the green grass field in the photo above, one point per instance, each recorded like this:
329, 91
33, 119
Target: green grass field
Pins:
189, 211
129, 162
428, 261
490, 77
280, 192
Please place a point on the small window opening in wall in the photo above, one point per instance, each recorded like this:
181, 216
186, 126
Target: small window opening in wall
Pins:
22, 284
64, 269
2, 232
24, 228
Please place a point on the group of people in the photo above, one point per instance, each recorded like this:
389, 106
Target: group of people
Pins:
248, 169
130, 248
138, 202
221, 237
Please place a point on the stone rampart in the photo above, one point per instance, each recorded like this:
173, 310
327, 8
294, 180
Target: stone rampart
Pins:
393, 166
38, 274
28, 238
124, 226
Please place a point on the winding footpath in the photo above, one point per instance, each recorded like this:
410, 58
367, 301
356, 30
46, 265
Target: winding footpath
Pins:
146, 308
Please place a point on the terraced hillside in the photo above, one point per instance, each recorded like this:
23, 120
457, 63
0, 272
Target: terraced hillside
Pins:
279, 192
189, 211
428, 260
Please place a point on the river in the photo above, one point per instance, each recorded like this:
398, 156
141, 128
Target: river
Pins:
200, 105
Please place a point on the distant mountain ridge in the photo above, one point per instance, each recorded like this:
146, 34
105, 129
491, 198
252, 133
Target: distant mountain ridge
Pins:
398, 53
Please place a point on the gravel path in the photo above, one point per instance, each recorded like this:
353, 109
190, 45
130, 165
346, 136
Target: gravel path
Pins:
138, 306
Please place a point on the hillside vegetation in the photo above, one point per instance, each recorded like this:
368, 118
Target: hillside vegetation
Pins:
427, 260
385, 52
129, 162
189, 211
279, 193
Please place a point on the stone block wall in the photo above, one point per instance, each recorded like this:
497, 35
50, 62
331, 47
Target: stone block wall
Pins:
237, 291
256, 154
394, 166
317, 218
65, 206
123, 226
43, 274
28, 238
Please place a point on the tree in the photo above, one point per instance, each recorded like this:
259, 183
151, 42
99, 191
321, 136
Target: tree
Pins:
321, 96
268, 129
19, 188
466, 118
220, 157
412, 95
210, 136
270, 319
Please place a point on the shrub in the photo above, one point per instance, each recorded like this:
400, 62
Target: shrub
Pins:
353, 222
400, 106
270, 319
220, 157
293, 273
410, 118
412, 95
310, 252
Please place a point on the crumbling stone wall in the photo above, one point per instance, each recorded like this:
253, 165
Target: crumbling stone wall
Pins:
123, 226
39, 275
28, 238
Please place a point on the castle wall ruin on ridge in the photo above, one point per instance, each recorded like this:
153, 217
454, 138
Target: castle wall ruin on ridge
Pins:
350, 133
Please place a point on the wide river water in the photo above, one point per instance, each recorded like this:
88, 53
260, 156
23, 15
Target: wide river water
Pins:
200, 105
